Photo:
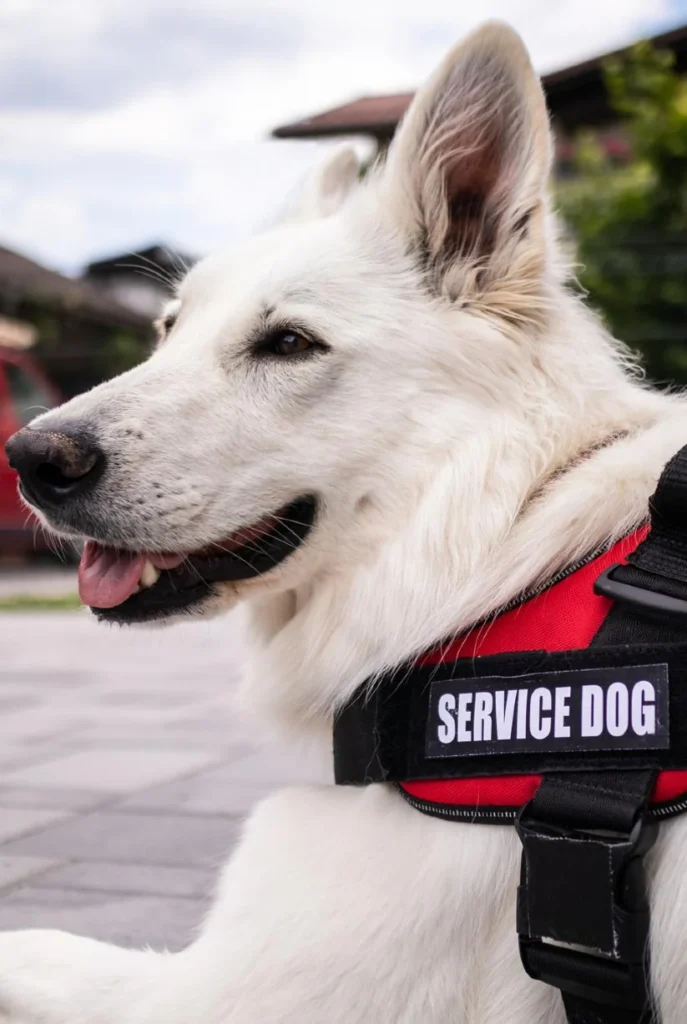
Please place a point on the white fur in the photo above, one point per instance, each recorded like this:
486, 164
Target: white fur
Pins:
453, 434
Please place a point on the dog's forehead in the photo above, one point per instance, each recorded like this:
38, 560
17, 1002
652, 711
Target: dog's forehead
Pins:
340, 265
283, 259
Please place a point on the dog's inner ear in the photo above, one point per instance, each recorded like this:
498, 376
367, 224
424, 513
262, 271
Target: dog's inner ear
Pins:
470, 163
470, 179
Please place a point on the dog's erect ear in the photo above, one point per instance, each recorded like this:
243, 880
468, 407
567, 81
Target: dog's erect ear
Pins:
466, 175
333, 179
326, 187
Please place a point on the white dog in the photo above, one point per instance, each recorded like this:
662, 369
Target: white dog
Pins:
396, 399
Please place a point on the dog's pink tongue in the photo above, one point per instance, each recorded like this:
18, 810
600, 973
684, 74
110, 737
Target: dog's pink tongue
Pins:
107, 576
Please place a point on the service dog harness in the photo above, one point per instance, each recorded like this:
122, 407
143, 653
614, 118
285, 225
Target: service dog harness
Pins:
566, 715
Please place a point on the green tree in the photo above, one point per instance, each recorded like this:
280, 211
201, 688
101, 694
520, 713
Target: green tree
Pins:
630, 223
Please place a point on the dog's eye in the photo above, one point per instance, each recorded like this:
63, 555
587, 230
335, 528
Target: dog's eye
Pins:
289, 343
165, 323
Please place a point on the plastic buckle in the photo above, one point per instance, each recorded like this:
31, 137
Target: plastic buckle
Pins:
637, 597
587, 889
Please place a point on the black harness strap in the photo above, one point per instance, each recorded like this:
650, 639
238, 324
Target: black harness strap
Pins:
651, 590
582, 911
380, 736
582, 882
581, 1011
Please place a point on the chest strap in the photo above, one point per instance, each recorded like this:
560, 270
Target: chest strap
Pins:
594, 732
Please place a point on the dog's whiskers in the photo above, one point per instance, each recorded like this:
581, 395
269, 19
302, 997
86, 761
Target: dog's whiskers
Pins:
183, 265
284, 522
151, 275
153, 270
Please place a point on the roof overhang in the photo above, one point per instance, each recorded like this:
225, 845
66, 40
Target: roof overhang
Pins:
575, 95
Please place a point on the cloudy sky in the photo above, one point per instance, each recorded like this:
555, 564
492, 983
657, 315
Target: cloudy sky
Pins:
124, 122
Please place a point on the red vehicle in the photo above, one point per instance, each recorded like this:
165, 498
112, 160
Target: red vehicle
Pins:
25, 391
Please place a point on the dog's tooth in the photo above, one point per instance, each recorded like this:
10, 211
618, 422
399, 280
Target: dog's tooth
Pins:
149, 574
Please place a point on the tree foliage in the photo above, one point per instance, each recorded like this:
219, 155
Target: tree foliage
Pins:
630, 222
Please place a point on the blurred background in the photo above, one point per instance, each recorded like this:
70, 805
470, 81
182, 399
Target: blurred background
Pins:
136, 136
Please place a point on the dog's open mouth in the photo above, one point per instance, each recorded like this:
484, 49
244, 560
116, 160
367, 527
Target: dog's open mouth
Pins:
126, 586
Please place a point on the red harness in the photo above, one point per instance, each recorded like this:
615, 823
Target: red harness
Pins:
565, 616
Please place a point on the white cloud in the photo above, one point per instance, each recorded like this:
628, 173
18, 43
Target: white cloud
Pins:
124, 122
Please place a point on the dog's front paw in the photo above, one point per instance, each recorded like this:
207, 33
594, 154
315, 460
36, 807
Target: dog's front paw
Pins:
50, 977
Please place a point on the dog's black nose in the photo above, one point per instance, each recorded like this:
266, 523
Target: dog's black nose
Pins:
54, 466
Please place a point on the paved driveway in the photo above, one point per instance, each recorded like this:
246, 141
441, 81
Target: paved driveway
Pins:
124, 774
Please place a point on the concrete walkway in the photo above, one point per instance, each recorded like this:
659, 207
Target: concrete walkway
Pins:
37, 581
124, 774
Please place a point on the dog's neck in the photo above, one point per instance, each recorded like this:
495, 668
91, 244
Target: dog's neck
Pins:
482, 528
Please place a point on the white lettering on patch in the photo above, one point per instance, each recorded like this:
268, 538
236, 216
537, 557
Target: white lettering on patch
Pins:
582, 709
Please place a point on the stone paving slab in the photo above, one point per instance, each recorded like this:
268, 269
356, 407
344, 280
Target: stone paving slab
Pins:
129, 920
18, 869
109, 769
231, 788
125, 774
152, 880
168, 839
37, 581
215, 792
73, 799
18, 821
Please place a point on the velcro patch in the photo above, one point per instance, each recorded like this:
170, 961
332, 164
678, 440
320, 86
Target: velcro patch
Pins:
624, 708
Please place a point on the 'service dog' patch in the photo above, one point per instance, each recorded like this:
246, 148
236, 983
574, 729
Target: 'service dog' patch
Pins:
623, 708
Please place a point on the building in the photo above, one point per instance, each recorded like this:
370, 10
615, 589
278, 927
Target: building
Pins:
77, 331
576, 98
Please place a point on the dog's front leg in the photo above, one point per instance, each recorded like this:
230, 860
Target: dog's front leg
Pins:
339, 906
347, 906
50, 977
